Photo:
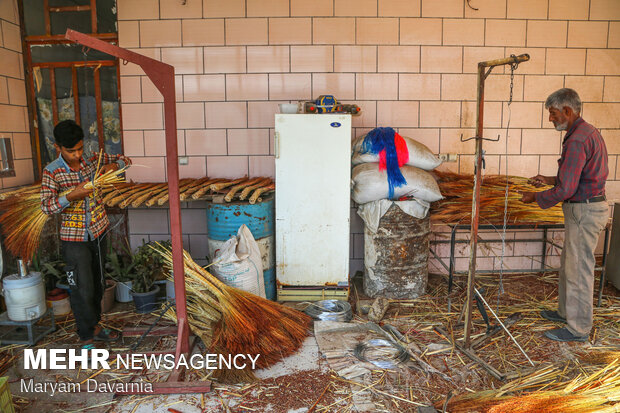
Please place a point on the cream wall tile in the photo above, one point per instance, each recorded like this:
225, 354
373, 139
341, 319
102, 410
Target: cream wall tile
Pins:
158, 33
341, 85
203, 32
312, 58
497, 88
445, 8
186, 60
220, 115
587, 34
537, 88
458, 87
368, 118
441, 59
131, 69
206, 142
488, 9
397, 113
312, 9
24, 174
450, 141
11, 36
569, 9
9, 12
268, 59
421, 31
227, 166
604, 10
355, 58
473, 55
129, 34
612, 165
271, 8
130, 89
612, 140
198, 88
527, 9
137, 9
154, 170
376, 86
440, 114
4, 90
149, 92
523, 115
262, 166
523, 165
536, 64
492, 115
195, 168
383, 30
546, 33
290, 31
400, 59
225, 59
566, 61
499, 147
590, 88
219, 8
252, 31
614, 35
247, 87
155, 143
602, 115
603, 62
261, 114
612, 88
355, 8
428, 137
290, 86
21, 146
548, 165
419, 86
333, 30
541, 142
463, 32
133, 143
10, 63
248, 142
399, 8
143, 116
186, 10
17, 92
505, 33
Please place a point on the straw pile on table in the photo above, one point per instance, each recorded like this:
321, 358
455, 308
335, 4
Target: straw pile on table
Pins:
231, 321
458, 192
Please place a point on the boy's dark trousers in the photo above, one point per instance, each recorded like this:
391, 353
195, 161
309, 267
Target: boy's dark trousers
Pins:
85, 277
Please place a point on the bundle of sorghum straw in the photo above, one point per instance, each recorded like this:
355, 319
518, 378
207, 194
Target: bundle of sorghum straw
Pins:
458, 192
232, 321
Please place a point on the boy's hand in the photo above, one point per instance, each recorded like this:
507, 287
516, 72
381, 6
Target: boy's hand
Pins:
109, 167
79, 192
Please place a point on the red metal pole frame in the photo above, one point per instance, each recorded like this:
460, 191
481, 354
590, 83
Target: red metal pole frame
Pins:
162, 76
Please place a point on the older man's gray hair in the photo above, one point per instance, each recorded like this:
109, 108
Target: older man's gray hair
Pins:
564, 97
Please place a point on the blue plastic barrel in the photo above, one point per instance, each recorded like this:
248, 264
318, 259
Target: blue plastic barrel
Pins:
224, 220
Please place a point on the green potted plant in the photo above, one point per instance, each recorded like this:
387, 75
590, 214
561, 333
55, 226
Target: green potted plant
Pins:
120, 268
149, 266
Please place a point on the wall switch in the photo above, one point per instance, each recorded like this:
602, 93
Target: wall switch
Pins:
448, 157
183, 160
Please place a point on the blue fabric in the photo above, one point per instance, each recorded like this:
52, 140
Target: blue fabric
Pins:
377, 140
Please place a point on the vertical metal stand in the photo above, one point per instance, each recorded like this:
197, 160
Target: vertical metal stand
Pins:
475, 205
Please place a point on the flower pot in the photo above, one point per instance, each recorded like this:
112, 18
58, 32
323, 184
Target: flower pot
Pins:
146, 302
170, 290
107, 301
123, 291
58, 301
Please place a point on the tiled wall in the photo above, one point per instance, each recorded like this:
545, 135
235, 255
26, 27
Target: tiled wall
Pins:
409, 64
13, 109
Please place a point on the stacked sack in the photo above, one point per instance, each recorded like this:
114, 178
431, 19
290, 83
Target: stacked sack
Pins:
390, 166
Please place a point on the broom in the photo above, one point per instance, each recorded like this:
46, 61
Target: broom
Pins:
242, 323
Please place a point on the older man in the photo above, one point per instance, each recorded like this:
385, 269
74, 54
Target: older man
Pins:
580, 185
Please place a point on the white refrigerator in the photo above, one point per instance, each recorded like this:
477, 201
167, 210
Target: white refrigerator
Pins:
313, 178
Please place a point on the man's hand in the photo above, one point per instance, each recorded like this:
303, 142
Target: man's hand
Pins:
540, 180
79, 192
528, 197
109, 167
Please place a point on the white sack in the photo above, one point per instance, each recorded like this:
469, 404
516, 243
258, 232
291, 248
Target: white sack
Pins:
371, 212
238, 263
370, 184
419, 154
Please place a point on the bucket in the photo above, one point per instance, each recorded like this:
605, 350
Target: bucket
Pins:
107, 301
58, 301
146, 302
123, 291
224, 220
24, 296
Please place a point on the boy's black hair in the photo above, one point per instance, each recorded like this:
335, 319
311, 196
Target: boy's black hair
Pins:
68, 133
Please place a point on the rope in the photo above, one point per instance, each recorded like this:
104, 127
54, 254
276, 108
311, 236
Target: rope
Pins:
331, 310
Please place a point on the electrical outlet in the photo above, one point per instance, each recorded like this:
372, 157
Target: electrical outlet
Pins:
447, 157
183, 160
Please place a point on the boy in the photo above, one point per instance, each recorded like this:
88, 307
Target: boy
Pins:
83, 225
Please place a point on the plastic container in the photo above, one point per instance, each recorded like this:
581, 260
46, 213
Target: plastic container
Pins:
170, 290
24, 296
6, 401
58, 301
123, 291
146, 302
224, 220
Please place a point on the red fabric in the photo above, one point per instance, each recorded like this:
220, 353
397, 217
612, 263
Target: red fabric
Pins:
402, 152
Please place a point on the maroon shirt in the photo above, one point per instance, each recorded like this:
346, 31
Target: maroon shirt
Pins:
582, 169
